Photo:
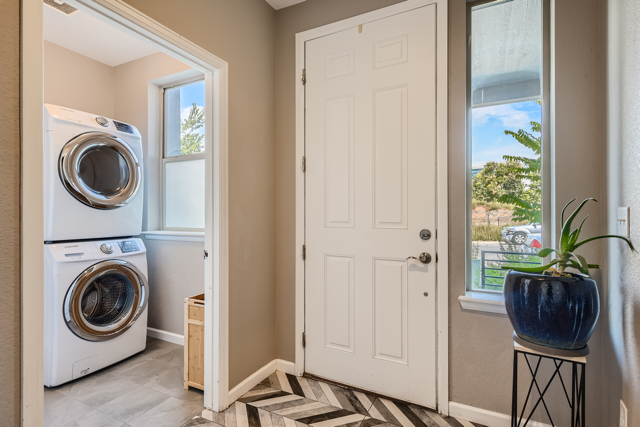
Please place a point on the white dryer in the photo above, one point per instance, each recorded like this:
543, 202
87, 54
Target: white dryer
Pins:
96, 297
92, 176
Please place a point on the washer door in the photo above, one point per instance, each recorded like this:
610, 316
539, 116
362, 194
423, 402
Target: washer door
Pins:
100, 170
105, 300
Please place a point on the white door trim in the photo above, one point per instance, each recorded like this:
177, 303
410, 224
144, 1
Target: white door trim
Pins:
442, 177
136, 24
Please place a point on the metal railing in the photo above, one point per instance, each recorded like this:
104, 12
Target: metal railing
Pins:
490, 266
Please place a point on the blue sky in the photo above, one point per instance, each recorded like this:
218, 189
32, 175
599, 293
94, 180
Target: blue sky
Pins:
489, 123
190, 94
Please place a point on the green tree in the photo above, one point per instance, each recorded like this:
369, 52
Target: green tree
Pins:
528, 203
497, 180
192, 141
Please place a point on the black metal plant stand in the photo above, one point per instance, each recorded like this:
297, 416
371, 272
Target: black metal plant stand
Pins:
533, 355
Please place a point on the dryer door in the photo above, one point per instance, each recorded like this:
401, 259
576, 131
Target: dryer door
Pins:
100, 170
105, 300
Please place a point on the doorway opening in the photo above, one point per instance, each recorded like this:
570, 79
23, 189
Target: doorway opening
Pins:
120, 92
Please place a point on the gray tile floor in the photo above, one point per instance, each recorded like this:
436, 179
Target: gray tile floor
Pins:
143, 390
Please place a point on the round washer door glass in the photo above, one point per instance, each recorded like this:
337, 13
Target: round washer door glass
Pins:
105, 300
100, 170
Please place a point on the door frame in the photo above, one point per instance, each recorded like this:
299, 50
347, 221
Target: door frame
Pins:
442, 221
216, 70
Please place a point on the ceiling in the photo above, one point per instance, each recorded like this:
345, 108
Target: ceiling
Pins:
92, 38
280, 4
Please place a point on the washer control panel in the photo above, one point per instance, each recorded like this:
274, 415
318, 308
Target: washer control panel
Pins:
88, 250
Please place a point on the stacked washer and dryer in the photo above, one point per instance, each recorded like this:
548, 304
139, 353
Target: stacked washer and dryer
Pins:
96, 288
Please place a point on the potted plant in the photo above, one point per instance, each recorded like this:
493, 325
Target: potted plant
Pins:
550, 306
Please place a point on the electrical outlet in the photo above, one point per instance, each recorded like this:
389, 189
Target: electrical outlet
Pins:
623, 223
623, 414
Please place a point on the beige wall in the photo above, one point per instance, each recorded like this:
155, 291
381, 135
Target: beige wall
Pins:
176, 269
75, 81
241, 32
10, 213
622, 337
289, 21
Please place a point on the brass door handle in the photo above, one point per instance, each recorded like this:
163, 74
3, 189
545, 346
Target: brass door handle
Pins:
424, 258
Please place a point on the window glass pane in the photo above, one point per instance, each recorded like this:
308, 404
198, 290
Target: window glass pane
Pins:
184, 194
506, 69
184, 119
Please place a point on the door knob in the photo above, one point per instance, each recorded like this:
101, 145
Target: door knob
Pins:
424, 258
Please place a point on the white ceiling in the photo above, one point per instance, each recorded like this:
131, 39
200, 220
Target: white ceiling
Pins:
280, 4
93, 38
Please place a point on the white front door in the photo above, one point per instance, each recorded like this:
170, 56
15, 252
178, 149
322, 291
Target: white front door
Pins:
370, 314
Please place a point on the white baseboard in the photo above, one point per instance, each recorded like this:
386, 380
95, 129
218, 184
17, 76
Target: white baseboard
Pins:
482, 416
286, 366
258, 376
165, 336
252, 380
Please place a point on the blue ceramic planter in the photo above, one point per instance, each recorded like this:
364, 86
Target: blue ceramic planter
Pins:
556, 312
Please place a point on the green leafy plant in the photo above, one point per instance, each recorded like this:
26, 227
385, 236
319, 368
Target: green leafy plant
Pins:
566, 256
528, 202
191, 140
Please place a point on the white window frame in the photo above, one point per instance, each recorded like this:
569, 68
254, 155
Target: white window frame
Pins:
487, 300
170, 159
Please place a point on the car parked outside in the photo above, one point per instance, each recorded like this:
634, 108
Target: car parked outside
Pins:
533, 244
517, 234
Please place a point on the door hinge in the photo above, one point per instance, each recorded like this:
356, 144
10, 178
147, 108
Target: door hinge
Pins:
304, 76
206, 254
436, 256
304, 252
304, 339
304, 163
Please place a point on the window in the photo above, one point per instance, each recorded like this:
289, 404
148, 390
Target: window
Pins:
505, 101
183, 163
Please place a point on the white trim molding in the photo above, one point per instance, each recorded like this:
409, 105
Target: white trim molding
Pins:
165, 336
442, 227
484, 417
260, 375
216, 237
176, 236
482, 301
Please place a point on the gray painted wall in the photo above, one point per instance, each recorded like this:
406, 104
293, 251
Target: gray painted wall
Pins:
622, 301
10, 213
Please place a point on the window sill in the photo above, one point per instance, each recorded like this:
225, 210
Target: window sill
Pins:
176, 236
481, 301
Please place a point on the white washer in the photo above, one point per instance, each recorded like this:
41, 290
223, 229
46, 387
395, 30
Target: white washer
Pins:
92, 176
96, 297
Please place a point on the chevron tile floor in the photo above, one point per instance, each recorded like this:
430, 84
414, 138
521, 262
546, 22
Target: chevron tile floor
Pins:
284, 400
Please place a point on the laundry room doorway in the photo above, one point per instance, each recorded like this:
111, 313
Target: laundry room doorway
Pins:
192, 76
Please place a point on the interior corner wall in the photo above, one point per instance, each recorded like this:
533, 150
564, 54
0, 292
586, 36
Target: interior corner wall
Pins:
481, 352
290, 21
10, 213
176, 269
242, 33
75, 81
622, 337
